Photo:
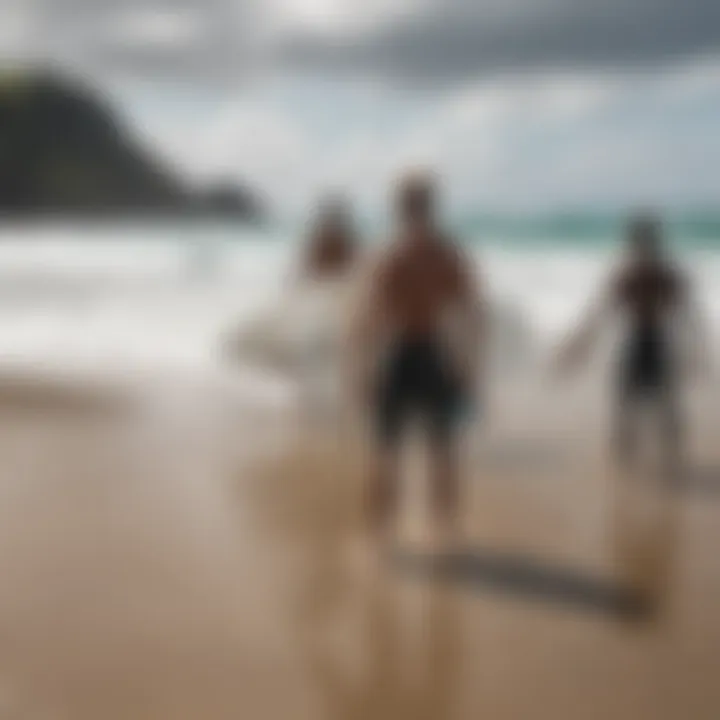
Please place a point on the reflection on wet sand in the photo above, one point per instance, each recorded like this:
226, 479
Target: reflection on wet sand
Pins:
147, 576
645, 532
127, 592
399, 671
496, 628
371, 648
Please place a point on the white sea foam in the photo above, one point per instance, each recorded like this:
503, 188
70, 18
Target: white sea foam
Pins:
160, 297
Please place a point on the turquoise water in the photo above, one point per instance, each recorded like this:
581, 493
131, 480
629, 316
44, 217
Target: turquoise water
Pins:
577, 229
701, 230
698, 229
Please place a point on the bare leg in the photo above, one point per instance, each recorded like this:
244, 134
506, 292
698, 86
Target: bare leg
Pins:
445, 487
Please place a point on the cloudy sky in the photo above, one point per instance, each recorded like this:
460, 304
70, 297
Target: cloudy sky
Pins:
521, 104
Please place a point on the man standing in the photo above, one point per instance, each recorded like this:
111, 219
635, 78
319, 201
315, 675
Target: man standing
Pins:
421, 281
650, 294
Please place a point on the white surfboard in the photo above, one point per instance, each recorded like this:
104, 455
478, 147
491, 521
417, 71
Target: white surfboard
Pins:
298, 328
303, 331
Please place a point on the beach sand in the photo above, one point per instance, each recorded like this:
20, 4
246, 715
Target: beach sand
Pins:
168, 555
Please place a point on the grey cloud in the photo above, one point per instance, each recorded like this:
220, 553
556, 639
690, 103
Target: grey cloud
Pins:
83, 35
458, 39
435, 42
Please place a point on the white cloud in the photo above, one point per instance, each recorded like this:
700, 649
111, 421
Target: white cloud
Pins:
157, 26
340, 19
17, 29
520, 143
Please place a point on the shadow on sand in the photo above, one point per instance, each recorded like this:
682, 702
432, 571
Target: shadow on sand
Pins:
643, 529
530, 578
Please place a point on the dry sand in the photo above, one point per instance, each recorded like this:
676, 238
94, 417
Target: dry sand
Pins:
165, 556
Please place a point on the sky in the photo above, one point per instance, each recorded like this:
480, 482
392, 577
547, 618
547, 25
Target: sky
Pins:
518, 104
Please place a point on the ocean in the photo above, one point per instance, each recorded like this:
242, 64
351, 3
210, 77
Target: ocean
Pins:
158, 296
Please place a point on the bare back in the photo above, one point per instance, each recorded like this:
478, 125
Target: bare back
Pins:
647, 293
417, 281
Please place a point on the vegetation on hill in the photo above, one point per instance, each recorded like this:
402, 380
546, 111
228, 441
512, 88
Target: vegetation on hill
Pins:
63, 151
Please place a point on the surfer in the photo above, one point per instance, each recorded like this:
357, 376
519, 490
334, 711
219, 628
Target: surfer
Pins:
651, 295
332, 247
417, 281
299, 334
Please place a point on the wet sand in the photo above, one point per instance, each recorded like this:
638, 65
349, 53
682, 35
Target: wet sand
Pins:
167, 555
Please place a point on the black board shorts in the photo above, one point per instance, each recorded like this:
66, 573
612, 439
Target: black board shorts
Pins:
645, 364
647, 382
417, 381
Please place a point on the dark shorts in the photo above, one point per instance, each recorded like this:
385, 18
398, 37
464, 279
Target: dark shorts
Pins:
645, 365
647, 386
417, 381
